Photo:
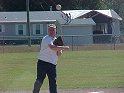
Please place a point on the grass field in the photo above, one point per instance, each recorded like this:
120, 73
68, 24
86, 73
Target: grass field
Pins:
75, 69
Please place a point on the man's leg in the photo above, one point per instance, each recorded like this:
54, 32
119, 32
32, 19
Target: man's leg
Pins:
52, 78
41, 74
37, 86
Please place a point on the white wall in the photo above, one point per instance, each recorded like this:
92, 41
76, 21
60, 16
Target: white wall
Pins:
85, 31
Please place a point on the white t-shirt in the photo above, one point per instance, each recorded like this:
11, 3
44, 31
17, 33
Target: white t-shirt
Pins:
46, 54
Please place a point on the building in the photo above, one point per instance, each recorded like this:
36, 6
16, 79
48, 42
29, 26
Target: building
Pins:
70, 23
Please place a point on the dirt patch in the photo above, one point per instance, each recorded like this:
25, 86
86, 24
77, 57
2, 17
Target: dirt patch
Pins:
86, 90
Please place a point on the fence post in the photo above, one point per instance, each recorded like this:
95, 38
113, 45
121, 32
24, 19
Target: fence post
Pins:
3, 41
114, 41
77, 43
72, 42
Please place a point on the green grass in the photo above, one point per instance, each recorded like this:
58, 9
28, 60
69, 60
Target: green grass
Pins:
75, 69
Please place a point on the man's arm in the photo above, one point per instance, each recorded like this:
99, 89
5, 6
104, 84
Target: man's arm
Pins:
58, 48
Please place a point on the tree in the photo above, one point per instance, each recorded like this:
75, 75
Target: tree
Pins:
14, 5
1, 5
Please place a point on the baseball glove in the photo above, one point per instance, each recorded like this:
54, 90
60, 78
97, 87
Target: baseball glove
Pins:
58, 41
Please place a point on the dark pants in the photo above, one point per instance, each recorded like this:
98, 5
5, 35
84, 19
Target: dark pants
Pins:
44, 68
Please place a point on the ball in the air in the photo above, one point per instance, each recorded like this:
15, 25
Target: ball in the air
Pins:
58, 7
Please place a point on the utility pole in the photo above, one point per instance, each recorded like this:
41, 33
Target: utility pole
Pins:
28, 23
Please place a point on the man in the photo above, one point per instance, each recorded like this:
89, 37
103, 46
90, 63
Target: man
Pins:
47, 61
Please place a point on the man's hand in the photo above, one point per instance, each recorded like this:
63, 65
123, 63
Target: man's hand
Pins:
59, 53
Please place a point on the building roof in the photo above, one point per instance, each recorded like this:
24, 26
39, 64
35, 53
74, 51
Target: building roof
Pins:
35, 16
78, 13
85, 21
110, 13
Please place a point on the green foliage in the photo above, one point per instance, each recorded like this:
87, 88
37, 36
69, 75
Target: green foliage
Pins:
14, 5
35, 5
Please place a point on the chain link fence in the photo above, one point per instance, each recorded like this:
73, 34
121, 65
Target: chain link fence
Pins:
76, 42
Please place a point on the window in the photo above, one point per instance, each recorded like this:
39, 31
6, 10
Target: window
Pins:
101, 28
1, 28
37, 29
20, 29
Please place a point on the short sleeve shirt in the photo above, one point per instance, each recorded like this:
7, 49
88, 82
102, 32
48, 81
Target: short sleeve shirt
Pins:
46, 54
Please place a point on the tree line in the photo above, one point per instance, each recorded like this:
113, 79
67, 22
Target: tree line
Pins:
44, 5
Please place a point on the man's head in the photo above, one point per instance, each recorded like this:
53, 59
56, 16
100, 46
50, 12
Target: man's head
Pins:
52, 30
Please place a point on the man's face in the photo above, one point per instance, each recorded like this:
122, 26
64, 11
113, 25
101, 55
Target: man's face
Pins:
52, 31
